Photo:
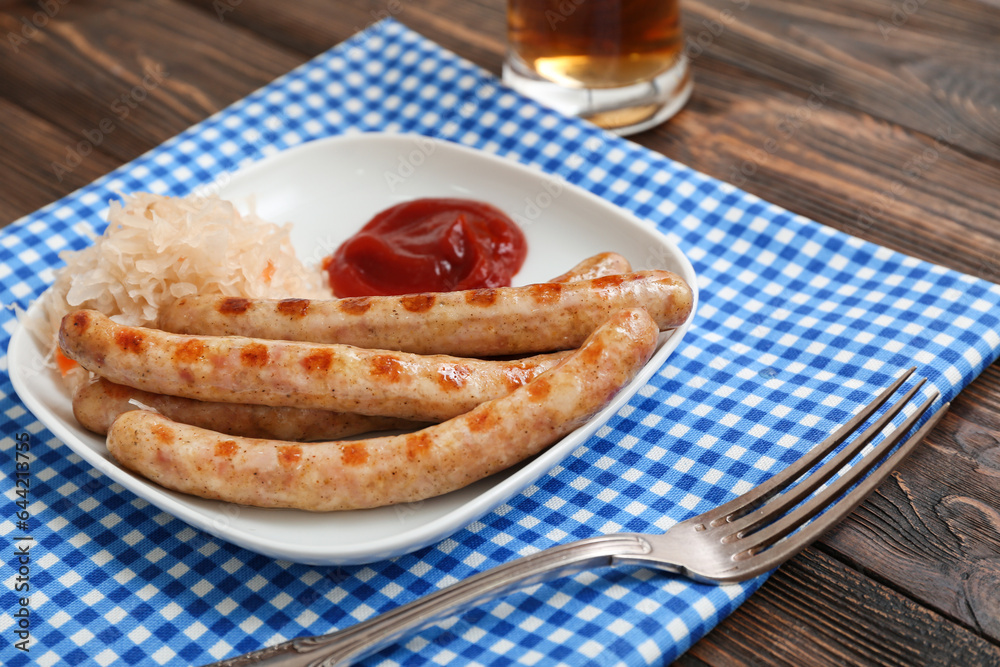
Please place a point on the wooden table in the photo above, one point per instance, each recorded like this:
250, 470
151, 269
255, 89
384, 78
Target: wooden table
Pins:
878, 118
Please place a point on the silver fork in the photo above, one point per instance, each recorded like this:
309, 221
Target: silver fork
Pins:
739, 540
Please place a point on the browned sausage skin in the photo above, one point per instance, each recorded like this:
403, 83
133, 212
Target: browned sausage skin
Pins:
97, 404
596, 266
393, 469
341, 378
484, 322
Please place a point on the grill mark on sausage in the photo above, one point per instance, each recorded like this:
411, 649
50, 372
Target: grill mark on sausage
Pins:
164, 434
481, 297
320, 360
608, 282
80, 320
386, 366
293, 307
354, 454
593, 353
289, 455
253, 354
130, 340
515, 376
234, 305
189, 351
416, 445
453, 376
545, 292
226, 449
480, 420
417, 303
539, 389
355, 305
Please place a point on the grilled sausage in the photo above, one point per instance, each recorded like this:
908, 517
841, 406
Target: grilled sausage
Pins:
484, 322
340, 378
393, 469
97, 404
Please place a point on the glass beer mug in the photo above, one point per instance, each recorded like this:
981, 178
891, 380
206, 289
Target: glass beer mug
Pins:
618, 63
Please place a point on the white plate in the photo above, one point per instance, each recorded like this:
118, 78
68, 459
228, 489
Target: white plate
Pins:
329, 188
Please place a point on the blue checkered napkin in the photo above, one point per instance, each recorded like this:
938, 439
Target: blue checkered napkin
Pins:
799, 325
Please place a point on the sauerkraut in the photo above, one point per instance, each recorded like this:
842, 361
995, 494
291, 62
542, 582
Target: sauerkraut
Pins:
157, 249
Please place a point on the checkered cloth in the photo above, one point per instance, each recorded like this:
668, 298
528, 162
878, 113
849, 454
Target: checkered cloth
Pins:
799, 325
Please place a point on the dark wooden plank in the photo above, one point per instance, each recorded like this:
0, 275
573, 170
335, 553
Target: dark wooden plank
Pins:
472, 30
933, 529
817, 611
160, 69
36, 163
306, 27
926, 65
984, 394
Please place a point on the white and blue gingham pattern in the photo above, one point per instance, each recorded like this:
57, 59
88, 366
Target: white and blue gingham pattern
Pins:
799, 324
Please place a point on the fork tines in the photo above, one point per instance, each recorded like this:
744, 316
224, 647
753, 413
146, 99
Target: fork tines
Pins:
783, 504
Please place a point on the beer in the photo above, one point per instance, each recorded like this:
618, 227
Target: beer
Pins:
595, 43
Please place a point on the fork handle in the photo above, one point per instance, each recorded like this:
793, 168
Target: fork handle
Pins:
365, 638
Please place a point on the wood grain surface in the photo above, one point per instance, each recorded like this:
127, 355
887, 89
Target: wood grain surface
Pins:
877, 117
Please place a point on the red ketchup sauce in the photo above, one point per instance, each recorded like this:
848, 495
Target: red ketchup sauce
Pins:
428, 245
